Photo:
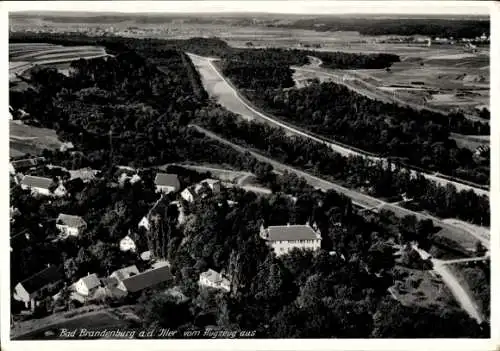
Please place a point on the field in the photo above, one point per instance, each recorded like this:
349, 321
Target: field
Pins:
92, 317
421, 288
26, 139
23, 56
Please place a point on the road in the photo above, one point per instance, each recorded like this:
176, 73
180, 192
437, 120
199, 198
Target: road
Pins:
218, 86
461, 295
358, 199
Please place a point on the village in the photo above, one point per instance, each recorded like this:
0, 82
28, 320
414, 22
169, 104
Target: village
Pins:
33, 176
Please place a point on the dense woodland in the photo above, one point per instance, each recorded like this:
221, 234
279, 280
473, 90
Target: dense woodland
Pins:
353, 171
145, 106
434, 27
416, 138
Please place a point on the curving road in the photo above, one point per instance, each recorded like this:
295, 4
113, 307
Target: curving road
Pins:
359, 199
219, 87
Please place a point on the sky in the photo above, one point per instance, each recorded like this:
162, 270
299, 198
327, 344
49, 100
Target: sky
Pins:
284, 6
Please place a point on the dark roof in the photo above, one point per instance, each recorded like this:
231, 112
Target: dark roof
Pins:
27, 162
147, 279
70, 220
291, 232
37, 182
41, 279
167, 179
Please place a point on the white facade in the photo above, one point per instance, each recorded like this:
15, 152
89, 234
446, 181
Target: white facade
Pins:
36, 190
127, 244
85, 286
66, 230
284, 247
215, 280
167, 189
60, 191
144, 223
187, 195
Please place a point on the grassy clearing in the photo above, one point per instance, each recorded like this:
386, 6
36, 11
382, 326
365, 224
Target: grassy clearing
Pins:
29, 139
86, 317
421, 288
470, 142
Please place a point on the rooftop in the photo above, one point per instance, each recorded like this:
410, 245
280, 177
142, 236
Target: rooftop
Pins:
37, 182
126, 272
70, 220
212, 276
43, 278
147, 279
291, 232
91, 281
167, 179
27, 162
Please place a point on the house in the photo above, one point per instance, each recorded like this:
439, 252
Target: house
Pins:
146, 279
146, 255
85, 174
70, 225
124, 273
23, 165
188, 194
285, 238
30, 289
66, 146
167, 183
37, 185
87, 285
127, 244
215, 280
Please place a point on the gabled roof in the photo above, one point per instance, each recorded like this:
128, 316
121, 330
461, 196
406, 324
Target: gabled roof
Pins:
85, 174
126, 272
167, 179
147, 279
36, 182
27, 162
291, 232
91, 281
41, 279
70, 220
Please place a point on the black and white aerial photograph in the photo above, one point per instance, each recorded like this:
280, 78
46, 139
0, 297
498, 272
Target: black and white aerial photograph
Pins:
242, 170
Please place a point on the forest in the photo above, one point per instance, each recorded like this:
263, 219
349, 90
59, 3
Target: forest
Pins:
434, 27
353, 171
415, 138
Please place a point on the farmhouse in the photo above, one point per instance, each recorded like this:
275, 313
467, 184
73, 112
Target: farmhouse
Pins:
37, 185
127, 244
215, 280
146, 279
167, 183
87, 285
30, 289
70, 225
285, 238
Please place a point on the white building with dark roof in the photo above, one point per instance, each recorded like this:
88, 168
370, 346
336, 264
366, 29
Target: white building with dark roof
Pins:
284, 238
87, 285
37, 185
167, 183
214, 280
70, 225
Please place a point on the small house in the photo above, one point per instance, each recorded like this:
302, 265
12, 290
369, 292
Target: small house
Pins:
127, 244
167, 183
87, 285
70, 225
215, 280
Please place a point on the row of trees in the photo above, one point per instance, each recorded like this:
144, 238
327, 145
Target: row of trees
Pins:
440, 27
355, 172
417, 138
